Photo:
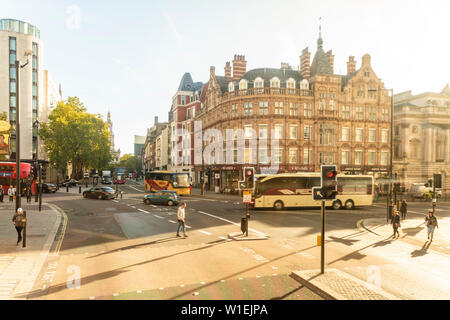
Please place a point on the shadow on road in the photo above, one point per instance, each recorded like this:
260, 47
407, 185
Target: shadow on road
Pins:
347, 242
422, 251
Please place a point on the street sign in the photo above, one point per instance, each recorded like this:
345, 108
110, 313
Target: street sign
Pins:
242, 185
247, 197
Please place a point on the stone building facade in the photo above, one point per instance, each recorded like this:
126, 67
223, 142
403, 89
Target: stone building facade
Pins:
317, 117
422, 137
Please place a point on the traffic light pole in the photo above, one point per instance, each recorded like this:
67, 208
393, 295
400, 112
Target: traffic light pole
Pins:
322, 239
247, 216
40, 188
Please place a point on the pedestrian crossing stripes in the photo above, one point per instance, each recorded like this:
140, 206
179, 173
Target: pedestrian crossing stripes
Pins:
205, 232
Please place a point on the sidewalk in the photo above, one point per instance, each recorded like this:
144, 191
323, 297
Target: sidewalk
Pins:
20, 267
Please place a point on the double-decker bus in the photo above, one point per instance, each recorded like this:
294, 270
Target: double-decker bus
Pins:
295, 190
8, 176
165, 180
120, 175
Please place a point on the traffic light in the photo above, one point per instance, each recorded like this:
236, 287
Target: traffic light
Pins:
397, 187
437, 180
317, 194
249, 177
33, 172
329, 181
429, 184
43, 173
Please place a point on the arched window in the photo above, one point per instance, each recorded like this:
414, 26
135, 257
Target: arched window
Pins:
258, 83
231, 87
304, 84
243, 84
274, 82
290, 83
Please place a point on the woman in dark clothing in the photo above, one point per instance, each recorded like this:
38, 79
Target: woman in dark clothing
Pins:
18, 223
404, 209
396, 223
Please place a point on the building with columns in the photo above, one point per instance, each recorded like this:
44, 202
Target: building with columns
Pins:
422, 137
317, 116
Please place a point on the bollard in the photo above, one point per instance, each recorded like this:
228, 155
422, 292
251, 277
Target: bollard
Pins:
79, 189
319, 240
67, 188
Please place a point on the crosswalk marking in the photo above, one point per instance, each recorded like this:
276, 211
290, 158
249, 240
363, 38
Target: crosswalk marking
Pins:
143, 211
172, 221
158, 216
205, 232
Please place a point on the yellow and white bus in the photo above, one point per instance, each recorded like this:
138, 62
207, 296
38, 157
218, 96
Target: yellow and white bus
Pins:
285, 190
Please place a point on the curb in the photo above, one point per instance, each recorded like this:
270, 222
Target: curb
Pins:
238, 236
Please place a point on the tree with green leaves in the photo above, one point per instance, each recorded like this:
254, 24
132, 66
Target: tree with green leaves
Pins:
75, 137
129, 161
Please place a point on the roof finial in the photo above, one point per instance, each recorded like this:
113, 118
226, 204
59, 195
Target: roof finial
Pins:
320, 41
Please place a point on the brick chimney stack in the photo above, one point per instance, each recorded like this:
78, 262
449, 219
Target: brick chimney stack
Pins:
228, 70
305, 64
351, 65
239, 67
331, 57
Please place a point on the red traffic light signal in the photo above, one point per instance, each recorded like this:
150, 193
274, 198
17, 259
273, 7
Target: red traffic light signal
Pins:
332, 174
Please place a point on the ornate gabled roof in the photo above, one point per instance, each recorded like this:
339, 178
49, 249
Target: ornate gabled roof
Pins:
321, 62
223, 83
186, 84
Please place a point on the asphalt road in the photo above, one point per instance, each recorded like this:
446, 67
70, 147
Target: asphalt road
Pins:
124, 249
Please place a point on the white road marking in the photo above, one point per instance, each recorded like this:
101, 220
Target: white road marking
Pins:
143, 211
172, 221
115, 201
223, 238
205, 232
115, 294
134, 188
133, 207
236, 224
139, 291
188, 227
158, 216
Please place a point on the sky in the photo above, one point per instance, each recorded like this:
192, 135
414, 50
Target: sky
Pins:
128, 57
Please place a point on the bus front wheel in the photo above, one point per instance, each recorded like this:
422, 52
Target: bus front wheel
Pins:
349, 205
337, 205
278, 205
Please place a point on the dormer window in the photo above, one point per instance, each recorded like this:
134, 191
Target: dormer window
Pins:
290, 84
258, 83
231, 87
275, 82
304, 84
243, 84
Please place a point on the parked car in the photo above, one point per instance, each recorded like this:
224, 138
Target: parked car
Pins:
100, 193
71, 183
48, 188
162, 197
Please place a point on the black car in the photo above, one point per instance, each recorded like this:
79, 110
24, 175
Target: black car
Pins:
71, 183
48, 188
100, 193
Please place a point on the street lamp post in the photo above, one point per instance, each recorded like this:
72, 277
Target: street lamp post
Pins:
19, 66
36, 125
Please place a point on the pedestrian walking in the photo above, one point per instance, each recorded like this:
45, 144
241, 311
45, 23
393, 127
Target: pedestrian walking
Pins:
10, 193
181, 219
14, 193
2, 193
404, 209
28, 193
19, 224
431, 222
396, 223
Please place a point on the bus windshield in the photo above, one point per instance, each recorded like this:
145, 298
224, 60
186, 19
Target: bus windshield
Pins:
181, 180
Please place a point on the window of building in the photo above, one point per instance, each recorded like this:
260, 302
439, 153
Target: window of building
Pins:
293, 132
384, 135
279, 107
248, 109
328, 158
359, 113
278, 131
325, 136
275, 82
372, 93
248, 131
346, 112
307, 130
304, 84
384, 158
332, 105
263, 157
258, 83
293, 109
307, 110
231, 87
248, 155
372, 135
307, 156
290, 83
358, 134
243, 84
263, 131
293, 155
345, 133
183, 99
345, 157
234, 110
397, 131
235, 156
321, 104
358, 157
361, 93
372, 113
371, 159
263, 108
279, 155
385, 114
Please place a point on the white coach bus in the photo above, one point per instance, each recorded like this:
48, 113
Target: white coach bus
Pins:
285, 190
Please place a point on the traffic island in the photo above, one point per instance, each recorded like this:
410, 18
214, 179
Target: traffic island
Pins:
337, 285
239, 236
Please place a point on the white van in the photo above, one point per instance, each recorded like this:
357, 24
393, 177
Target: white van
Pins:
418, 190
